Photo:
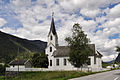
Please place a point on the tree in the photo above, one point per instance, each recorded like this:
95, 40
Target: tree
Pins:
79, 46
40, 60
2, 69
25, 55
118, 49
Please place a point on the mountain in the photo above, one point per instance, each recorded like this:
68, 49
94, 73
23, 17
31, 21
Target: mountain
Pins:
110, 62
118, 59
10, 44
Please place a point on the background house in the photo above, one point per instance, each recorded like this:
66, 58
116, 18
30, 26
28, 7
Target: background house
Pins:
20, 63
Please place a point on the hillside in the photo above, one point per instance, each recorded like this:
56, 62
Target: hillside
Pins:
9, 45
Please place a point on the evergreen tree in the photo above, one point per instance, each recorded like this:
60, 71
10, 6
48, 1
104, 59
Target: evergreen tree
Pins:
79, 48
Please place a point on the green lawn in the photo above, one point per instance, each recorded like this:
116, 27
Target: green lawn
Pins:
55, 75
1, 77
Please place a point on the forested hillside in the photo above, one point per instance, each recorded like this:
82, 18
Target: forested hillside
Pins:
10, 44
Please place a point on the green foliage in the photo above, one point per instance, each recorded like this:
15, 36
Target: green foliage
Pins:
25, 55
9, 45
79, 49
105, 64
40, 60
2, 78
118, 49
2, 69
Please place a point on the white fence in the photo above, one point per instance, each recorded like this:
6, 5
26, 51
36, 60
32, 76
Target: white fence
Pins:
26, 69
44, 69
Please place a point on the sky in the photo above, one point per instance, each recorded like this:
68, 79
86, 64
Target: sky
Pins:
30, 19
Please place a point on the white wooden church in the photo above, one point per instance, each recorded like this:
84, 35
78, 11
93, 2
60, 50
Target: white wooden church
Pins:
58, 55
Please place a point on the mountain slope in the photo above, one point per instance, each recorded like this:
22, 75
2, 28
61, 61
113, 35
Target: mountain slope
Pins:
9, 45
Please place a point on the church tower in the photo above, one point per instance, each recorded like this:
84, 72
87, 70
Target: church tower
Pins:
52, 43
52, 36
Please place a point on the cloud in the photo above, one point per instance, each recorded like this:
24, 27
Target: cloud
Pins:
91, 4
90, 13
114, 12
97, 19
20, 3
2, 22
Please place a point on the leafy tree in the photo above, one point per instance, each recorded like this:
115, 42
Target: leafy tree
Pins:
79, 48
40, 60
25, 55
2, 69
118, 49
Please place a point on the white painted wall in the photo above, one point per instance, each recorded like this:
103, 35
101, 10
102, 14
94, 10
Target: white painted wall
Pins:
50, 57
61, 66
98, 65
54, 40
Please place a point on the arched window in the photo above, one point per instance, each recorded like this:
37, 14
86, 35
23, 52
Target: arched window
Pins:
95, 60
51, 37
65, 62
57, 62
50, 62
50, 49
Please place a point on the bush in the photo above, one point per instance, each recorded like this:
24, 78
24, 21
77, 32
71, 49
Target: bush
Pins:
2, 69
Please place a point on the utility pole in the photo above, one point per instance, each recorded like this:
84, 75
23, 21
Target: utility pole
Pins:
18, 62
5, 68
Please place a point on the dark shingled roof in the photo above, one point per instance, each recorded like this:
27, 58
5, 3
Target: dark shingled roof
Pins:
52, 28
63, 51
92, 46
16, 62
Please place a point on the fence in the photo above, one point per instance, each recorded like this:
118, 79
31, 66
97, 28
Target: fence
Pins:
27, 69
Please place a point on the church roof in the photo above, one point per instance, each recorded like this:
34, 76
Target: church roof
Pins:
98, 54
63, 51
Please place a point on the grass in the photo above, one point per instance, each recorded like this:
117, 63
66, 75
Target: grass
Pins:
2, 77
55, 75
51, 75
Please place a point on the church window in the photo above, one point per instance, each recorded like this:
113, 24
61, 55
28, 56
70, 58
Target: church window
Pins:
65, 62
50, 62
94, 60
50, 49
89, 61
51, 37
57, 62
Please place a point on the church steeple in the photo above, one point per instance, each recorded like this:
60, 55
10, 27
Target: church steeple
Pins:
52, 36
52, 27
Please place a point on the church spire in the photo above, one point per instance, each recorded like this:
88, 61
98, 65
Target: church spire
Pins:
52, 27
52, 36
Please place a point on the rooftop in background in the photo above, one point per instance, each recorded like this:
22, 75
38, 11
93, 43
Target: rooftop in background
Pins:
18, 62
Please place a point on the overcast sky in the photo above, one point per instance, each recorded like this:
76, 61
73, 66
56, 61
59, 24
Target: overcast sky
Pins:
30, 19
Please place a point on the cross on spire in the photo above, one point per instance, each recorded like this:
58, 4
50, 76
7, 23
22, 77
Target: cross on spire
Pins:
52, 27
52, 14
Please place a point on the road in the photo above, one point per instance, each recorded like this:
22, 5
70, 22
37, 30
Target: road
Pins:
111, 75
